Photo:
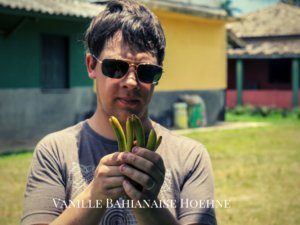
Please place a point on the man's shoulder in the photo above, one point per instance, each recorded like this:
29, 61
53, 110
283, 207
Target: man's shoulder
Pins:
63, 136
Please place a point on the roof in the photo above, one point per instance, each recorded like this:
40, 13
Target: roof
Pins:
234, 41
275, 47
72, 8
279, 19
271, 32
189, 8
84, 9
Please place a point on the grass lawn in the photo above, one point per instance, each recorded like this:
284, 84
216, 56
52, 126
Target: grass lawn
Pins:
256, 169
13, 175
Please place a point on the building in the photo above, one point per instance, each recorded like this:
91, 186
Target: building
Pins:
195, 58
263, 64
38, 95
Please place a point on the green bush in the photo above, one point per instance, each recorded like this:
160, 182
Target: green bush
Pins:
296, 113
285, 113
239, 110
264, 111
242, 110
277, 112
250, 109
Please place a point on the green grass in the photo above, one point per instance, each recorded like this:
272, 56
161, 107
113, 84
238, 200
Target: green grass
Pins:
13, 175
256, 169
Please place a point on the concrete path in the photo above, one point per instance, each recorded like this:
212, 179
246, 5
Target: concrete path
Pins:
223, 126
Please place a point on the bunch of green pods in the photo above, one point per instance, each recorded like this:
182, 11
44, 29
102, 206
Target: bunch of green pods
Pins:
134, 131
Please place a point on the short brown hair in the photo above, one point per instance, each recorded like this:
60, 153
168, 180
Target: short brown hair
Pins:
140, 28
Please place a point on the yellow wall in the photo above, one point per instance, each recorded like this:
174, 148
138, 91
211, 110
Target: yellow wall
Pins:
195, 54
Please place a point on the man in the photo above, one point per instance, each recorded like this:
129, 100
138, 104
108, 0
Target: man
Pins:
78, 177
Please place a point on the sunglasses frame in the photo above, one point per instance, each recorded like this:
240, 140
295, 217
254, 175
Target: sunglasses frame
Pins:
130, 63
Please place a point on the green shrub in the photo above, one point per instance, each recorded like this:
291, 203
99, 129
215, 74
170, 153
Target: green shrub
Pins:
276, 112
295, 113
285, 113
250, 109
239, 110
264, 111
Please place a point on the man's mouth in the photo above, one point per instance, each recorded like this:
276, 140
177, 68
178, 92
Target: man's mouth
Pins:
128, 101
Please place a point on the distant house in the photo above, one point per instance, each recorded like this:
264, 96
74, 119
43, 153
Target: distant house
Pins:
39, 94
263, 58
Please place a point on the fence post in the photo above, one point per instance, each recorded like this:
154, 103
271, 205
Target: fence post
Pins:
239, 81
295, 82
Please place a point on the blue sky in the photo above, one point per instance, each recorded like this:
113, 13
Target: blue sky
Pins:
247, 6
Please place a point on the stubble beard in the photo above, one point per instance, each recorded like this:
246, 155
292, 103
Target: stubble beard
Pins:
122, 114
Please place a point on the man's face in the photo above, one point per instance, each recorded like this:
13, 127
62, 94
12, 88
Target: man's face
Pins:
125, 96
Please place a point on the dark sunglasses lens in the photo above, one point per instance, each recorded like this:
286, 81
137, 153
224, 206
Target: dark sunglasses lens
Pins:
149, 73
114, 68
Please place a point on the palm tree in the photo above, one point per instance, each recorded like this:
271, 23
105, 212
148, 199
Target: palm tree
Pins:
227, 6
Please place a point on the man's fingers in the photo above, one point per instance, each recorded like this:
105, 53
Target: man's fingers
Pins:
113, 159
153, 166
150, 155
113, 182
137, 176
107, 171
108, 180
131, 191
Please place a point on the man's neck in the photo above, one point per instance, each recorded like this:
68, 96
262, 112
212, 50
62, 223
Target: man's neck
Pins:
100, 124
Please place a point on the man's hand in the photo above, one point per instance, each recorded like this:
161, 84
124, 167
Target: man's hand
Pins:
108, 180
144, 167
107, 184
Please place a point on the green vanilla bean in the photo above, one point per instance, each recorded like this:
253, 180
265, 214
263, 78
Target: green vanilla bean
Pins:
151, 140
129, 134
139, 131
158, 142
118, 132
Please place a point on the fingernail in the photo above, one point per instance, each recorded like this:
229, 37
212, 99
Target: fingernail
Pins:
122, 167
135, 150
123, 156
125, 182
115, 156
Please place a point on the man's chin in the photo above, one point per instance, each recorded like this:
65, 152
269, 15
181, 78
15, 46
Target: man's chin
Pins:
122, 115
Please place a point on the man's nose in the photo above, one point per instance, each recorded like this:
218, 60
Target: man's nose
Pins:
130, 80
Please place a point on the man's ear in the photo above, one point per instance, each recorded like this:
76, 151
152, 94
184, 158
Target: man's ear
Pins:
90, 65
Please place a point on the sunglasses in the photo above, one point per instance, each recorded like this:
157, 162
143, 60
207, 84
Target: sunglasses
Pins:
118, 68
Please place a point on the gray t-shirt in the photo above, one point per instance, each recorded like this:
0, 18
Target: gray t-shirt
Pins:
64, 162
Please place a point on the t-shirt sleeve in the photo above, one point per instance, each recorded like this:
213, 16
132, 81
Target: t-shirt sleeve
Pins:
45, 189
197, 192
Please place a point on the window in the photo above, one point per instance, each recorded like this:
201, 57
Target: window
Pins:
55, 62
280, 71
